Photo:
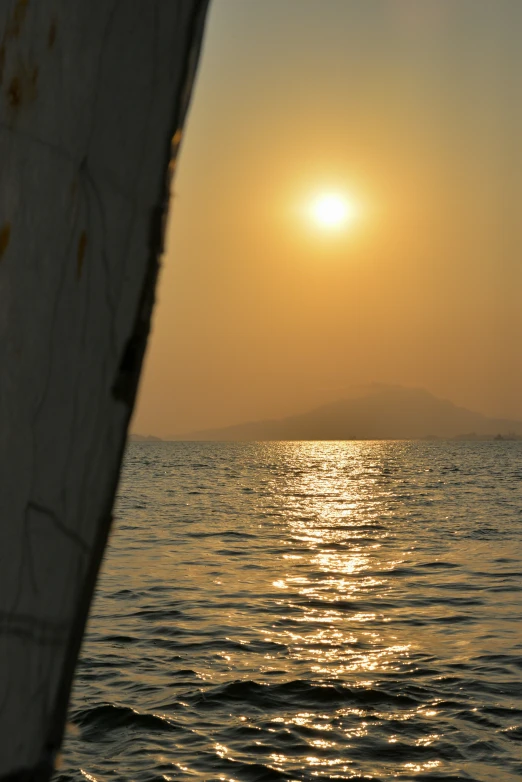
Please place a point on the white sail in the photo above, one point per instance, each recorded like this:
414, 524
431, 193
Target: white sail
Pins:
91, 95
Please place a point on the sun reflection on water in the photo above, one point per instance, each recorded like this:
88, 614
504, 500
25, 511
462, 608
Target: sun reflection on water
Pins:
333, 522
336, 569
311, 610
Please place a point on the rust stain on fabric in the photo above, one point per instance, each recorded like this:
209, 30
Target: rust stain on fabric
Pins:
17, 18
5, 236
51, 35
23, 86
82, 245
13, 29
14, 92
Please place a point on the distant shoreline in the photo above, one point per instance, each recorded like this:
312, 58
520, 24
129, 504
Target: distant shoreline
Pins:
428, 439
380, 413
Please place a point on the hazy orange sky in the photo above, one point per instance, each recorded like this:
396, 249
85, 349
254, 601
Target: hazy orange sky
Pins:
412, 109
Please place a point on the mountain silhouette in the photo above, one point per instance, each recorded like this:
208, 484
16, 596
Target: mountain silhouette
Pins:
381, 413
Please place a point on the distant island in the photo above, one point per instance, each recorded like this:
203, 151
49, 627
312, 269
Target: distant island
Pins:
144, 438
382, 412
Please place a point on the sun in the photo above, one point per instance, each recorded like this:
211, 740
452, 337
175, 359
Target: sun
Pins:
331, 211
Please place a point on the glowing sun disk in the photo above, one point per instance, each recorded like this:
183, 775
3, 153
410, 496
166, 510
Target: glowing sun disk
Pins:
331, 210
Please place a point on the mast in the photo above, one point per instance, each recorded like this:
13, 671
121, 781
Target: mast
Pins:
93, 97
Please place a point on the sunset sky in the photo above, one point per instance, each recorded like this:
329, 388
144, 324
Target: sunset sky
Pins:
406, 116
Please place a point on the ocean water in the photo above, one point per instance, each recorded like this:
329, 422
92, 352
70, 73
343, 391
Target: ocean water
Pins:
302, 611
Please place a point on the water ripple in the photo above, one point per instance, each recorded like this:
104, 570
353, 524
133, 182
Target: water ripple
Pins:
299, 611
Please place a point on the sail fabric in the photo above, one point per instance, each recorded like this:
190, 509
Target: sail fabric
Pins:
92, 94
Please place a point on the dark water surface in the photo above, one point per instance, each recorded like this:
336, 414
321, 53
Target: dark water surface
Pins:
293, 611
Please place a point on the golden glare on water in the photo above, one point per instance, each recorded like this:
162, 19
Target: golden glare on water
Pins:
334, 520
313, 608
332, 211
